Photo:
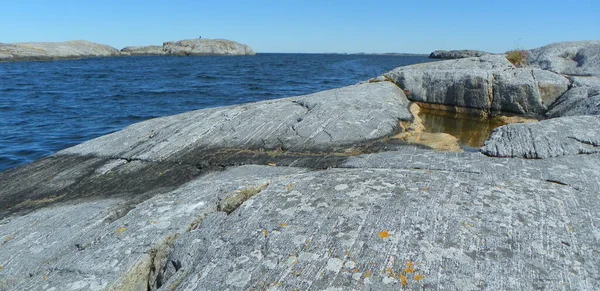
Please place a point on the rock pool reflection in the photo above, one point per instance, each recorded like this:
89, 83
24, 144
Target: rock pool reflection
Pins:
471, 130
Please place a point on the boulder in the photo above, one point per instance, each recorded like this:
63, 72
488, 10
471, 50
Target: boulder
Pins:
571, 135
456, 54
580, 58
203, 47
577, 101
489, 83
41, 51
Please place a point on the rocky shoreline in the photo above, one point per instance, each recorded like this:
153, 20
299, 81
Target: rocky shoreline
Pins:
319, 192
46, 51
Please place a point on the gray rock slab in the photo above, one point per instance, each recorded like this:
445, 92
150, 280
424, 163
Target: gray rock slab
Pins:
93, 245
413, 219
585, 81
577, 101
54, 50
572, 58
490, 83
578, 172
571, 135
322, 121
206, 47
367, 229
456, 54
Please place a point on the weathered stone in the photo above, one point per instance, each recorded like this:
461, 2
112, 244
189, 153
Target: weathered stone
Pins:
585, 81
54, 50
488, 83
323, 121
572, 58
456, 54
576, 101
206, 47
549, 138
167, 204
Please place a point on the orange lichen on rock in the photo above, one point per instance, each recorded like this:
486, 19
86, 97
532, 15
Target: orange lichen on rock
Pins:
383, 234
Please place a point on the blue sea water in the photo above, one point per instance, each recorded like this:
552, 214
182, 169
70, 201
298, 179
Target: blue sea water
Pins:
49, 106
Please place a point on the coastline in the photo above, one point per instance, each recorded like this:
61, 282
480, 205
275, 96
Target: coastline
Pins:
315, 190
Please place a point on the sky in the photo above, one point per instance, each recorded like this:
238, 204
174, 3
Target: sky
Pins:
318, 26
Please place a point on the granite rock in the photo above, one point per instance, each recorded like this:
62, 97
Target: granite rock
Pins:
581, 58
489, 83
572, 135
577, 101
323, 121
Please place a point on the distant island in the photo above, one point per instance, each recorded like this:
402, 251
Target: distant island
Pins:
46, 51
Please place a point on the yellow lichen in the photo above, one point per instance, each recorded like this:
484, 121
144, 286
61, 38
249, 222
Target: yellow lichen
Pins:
383, 234
265, 232
367, 274
283, 224
120, 230
418, 277
403, 280
289, 187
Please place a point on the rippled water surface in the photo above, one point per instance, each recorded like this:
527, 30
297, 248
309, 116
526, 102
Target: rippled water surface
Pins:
49, 106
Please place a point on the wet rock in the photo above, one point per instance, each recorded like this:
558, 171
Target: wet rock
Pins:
549, 138
42, 51
581, 58
489, 83
456, 54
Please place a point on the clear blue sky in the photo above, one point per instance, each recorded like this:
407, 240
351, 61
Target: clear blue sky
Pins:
307, 26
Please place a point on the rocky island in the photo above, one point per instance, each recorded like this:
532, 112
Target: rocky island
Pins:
318, 192
45, 51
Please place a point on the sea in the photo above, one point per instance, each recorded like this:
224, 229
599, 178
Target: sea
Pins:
48, 106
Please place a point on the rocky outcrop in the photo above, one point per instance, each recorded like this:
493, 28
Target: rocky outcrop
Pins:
577, 101
192, 47
206, 47
150, 50
549, 138
41, 51
579, 58
457, 54
45, 51
488, 83
314, 192
323, 121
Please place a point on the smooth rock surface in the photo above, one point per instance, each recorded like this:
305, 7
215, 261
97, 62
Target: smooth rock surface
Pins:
498, 224
40, 51
580, 58
456, 54
490, 83
322, 121
572, 135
